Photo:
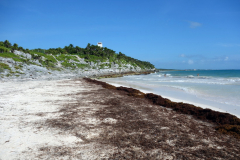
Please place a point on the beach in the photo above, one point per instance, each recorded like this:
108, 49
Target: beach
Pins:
218, 90
76, 119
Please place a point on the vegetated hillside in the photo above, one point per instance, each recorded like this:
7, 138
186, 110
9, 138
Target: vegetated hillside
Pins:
92, 60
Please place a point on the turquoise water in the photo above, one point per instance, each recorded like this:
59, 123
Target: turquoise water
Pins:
208, 73
218, 88
216, 85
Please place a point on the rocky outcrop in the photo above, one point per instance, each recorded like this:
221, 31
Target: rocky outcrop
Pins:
33, 66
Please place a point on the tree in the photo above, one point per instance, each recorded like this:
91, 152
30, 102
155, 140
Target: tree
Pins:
88, 46
1, 43
59, 50
20, 48
15, 46
78, 49
7, 44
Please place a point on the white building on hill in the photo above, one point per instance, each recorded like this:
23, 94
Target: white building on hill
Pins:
99, 44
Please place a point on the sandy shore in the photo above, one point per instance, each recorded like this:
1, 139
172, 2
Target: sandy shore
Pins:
171, 98
178, 96
72, 119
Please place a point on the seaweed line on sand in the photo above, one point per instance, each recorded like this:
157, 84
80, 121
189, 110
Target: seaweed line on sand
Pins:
226, 123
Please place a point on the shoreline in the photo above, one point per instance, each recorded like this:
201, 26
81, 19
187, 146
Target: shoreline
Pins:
178, 96
171, 98
226, 123
74, 119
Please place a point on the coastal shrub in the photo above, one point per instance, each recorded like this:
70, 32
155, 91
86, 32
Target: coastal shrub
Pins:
3, 49
49, 64
7, 44
16, 57
11, 55
82, 66
81, 55
65, 57
92, 58
8, 75
4, 66
92, 53
67, 64
18, 67
38, 50
15, 46
102, 66
38, 55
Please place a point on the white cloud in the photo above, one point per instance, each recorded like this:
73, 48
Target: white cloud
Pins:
194, 24
220, 58
182, 55
190, 61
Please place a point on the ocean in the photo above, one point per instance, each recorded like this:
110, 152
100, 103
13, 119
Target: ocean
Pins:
215, 89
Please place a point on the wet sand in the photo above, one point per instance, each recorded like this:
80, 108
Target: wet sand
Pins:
177, 95
73, 119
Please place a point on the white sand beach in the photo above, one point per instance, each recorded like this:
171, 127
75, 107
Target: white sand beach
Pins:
23, 107
72, 119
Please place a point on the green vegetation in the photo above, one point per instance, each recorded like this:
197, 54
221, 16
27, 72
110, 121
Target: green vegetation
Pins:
94, 53
18, 67
42, 57
67, 56
64, 57
4, 66
13, 56
3, 49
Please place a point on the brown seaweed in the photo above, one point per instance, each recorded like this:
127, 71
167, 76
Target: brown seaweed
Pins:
227, 123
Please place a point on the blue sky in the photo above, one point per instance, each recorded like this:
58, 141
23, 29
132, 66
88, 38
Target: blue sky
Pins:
179, 34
